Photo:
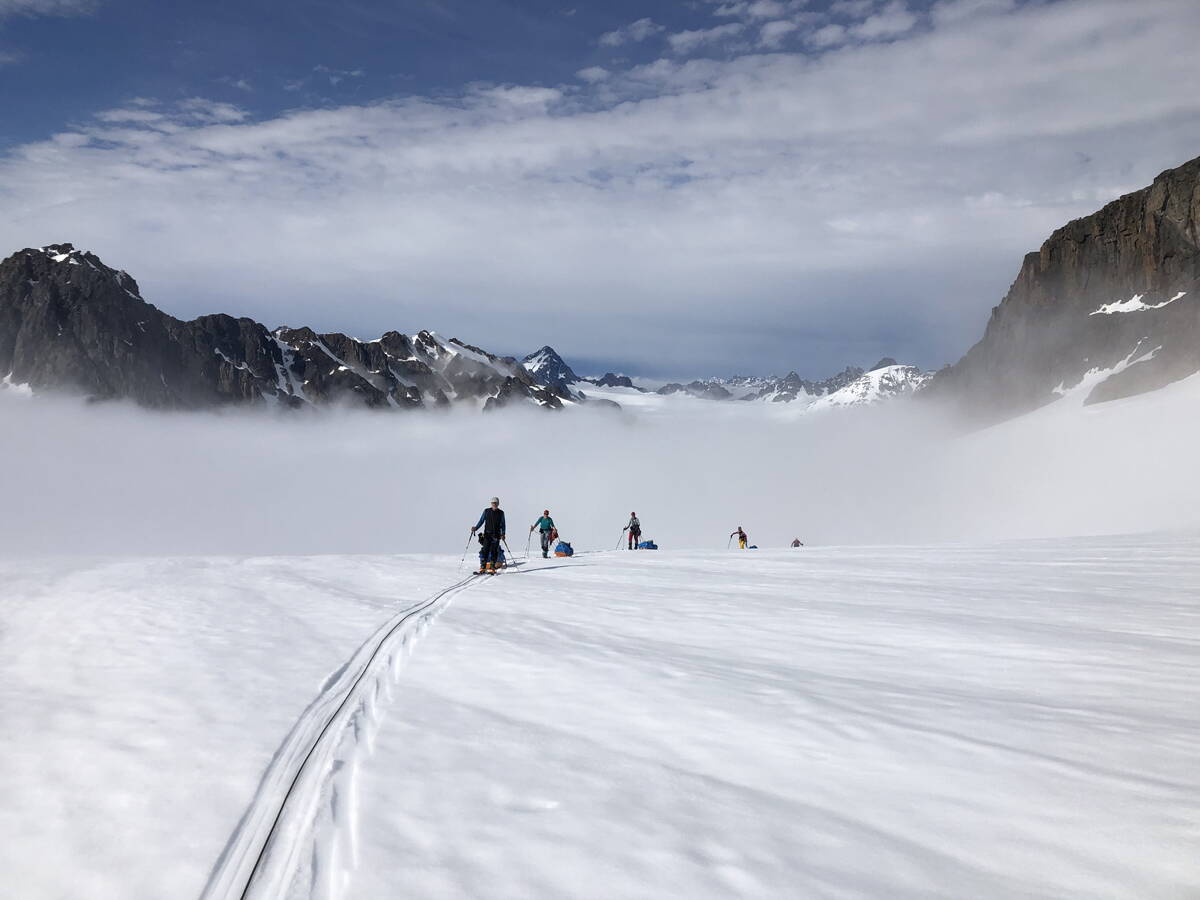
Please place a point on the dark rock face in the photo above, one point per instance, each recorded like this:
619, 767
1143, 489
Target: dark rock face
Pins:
610, 379
549, 368
67, 321
705, 390
1117, 291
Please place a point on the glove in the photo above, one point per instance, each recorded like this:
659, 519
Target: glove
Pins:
472, 531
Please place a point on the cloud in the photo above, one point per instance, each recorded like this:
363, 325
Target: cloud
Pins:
241, 84
205, 112
772, 34
757, 9
92, 479
138, 116
64, 8
631, 34
9, 58
592, 74
852, 9
827, 36
893, 20
949, 12
689, 216
337, 76
685, 42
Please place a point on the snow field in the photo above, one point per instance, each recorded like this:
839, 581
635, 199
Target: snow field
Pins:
998, 720
1012, 720
143, 701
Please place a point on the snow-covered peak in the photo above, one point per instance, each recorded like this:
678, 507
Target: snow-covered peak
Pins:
546, 366
874, 386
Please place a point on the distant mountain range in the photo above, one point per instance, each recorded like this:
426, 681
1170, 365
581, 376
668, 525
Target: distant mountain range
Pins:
850, 387
1110, 307
68, 322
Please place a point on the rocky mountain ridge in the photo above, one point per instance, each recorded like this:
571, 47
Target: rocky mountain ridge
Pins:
548, 365
68, 321
1109, 304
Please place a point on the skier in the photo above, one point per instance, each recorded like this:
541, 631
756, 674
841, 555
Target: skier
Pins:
796, 542
743, 538
545, 525
492, 523
635, 530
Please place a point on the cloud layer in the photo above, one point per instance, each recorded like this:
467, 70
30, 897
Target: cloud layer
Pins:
831, 189
108, 479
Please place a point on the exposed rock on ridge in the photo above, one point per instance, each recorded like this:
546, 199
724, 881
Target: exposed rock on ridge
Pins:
67, 321
549, 368
1115, 295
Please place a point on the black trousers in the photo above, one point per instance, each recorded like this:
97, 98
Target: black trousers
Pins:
545, 542
491, 548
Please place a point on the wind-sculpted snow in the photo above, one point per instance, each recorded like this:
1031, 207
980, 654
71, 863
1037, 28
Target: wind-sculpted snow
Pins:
989, 721
142, 701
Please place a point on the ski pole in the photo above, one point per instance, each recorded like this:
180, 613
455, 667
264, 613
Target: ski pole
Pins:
465, 549
621, 538
729, 543
528, 540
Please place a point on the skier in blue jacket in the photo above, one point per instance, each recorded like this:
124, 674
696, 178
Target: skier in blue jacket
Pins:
492, 523
545, 525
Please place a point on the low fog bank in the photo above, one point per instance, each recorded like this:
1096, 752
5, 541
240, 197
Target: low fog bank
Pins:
108, 479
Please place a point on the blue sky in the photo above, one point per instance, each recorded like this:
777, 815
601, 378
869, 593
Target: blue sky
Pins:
267, 56
668, 188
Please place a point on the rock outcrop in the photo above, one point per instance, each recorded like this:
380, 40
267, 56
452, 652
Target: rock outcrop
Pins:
704, 390
611, 379
549, 368
1110, 303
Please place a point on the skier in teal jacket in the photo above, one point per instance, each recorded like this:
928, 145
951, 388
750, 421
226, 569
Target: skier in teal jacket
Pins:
548, 532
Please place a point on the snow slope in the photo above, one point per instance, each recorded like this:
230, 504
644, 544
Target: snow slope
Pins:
874, 387
988, 721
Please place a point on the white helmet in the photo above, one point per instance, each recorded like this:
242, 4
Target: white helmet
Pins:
494, 500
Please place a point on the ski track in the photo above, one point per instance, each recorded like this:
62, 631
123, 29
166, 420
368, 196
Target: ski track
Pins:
299, 837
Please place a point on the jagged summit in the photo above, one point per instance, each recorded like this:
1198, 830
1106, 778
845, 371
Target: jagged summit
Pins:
67, 254
549, 368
